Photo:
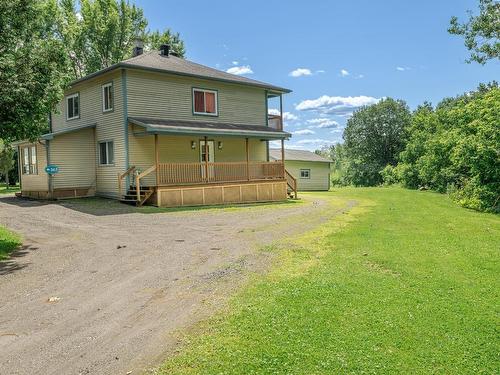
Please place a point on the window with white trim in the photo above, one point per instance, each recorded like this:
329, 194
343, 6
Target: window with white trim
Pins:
106, 153
205, 102
305, 173
30, 165
107, 97
73, 106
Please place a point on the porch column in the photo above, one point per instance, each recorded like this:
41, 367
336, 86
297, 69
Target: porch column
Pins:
157, 161
248, 163
283, 156
206, 158
281, 111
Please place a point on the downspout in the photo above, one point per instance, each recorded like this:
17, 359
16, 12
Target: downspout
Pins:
19, 168
51, 182
125, 123
267, 122
47, 150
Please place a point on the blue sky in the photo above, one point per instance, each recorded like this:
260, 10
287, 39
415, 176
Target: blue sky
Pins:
344, 53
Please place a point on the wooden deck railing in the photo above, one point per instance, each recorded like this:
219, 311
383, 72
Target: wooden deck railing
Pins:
195, 173
292, 183
121, 176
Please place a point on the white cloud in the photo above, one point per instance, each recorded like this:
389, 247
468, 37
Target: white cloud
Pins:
344, 73
359, 76
78, 16
287, 116
316, 141
323, 123
320, 71
235, 62
336, 105
304, 132
402, 68
240, 70
300, 72
275, 144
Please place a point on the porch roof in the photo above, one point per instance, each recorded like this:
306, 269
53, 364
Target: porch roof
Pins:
180, 127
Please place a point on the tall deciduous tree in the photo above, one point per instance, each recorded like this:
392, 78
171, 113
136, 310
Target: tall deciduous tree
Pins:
374, 137
6, 161
481, 32
32, 68
156, 38
102, 33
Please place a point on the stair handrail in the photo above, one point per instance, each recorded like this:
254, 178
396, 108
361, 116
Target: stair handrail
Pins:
138, 180
122, 176
292, 182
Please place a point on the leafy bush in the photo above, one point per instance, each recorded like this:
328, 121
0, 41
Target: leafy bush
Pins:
389, 175
455, 148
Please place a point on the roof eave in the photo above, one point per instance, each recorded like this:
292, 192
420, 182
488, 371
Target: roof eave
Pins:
139, 67
223, 132
159, 129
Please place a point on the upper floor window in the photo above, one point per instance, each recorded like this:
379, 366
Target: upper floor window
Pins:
205, 102
73, 106
29, 160
107, 97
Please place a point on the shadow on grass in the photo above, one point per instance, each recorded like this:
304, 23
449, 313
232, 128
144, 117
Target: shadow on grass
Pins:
10, 250
9, 263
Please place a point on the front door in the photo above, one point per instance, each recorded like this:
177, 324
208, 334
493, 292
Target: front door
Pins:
210, 147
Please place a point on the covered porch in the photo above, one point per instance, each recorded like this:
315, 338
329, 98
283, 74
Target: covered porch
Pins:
191, 163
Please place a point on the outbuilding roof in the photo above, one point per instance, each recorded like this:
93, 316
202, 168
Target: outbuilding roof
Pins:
154, 61
297, 155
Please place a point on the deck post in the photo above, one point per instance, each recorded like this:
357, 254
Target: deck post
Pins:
206, 158
283, 156
157, 161
248, 159
281, 111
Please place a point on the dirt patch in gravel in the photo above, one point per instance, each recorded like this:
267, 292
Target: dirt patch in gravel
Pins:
97, 293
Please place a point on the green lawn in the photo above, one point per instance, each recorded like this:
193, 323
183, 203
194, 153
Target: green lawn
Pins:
8, 242
406, 282
11, 189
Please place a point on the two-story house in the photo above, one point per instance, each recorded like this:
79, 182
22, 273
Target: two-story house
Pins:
160, 129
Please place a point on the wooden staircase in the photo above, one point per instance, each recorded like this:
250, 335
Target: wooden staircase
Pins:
131, 196
136, 195
291, 183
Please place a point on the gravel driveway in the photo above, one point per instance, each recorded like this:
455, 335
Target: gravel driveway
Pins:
97, 293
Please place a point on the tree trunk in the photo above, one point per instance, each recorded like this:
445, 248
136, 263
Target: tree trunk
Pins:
7, 178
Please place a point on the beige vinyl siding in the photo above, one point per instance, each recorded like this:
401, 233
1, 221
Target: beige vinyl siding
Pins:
35, 182
109, 126
177, 149
74, 154
169, 96
319, 175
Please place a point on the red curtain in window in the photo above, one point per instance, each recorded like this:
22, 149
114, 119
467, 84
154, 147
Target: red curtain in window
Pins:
209, 102
199, 101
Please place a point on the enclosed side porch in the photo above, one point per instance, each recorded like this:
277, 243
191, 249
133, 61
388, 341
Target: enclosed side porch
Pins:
173, 165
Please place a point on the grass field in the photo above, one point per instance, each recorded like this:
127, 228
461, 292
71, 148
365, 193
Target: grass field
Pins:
10, 189
8, 242
406, 282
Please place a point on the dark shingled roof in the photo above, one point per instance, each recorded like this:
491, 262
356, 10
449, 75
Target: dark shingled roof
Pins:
154, 61
298, 155
154, 125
